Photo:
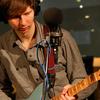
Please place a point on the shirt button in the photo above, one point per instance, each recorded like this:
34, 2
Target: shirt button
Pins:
30, 55
24, 66
37, 79
17, 68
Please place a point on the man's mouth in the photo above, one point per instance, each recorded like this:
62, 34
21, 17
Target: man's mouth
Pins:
23, 29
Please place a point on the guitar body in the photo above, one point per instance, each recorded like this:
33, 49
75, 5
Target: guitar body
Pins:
36, 95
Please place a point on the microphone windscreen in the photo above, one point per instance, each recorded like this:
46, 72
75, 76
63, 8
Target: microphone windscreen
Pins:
53, 16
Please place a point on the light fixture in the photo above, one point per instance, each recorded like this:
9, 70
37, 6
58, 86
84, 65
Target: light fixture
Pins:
78, 0
41, 0
81, 6
87, 16
92, 30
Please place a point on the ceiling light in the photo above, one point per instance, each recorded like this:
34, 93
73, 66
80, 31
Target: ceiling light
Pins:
92, 30
78, 0
41, 0
81, 6
87, 17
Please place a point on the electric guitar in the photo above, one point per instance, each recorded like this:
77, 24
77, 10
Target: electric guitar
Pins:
36, 95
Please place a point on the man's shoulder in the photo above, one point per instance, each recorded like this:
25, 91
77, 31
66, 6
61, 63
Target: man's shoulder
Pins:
6, 37
66, 33
6, 34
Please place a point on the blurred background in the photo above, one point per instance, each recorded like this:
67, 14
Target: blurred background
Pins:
82, 19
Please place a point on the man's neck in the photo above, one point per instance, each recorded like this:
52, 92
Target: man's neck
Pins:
28, 41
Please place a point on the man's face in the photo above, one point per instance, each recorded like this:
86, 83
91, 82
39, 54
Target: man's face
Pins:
22, 24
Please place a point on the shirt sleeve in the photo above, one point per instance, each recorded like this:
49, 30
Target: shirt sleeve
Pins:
3, 95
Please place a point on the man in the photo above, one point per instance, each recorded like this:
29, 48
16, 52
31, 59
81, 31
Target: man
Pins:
18, 54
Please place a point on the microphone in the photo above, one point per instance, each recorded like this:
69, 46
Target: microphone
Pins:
55, 39
53, 18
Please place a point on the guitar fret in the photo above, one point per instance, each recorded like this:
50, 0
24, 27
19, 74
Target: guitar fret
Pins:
92, 78
81, 85
74, 89
85, 82
70, 91
97, 75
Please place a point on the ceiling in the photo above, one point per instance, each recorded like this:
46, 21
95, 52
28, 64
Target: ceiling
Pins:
74, 16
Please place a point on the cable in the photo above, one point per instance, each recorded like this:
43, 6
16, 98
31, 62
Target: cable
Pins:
44, 44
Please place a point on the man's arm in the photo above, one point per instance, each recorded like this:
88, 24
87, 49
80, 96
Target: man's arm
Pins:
75, 66
3, 96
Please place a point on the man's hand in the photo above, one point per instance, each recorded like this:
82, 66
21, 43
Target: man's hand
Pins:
64, 94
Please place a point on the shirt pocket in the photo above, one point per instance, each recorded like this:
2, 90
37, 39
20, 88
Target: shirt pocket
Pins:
35, 74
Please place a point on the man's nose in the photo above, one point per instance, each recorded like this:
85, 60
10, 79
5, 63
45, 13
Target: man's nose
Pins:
22, 20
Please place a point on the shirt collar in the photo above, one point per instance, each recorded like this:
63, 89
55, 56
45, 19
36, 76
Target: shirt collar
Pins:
39, 36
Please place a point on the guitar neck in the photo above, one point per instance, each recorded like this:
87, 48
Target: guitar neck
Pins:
81, 85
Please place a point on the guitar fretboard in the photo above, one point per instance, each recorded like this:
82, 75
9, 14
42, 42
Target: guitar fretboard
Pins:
81, 85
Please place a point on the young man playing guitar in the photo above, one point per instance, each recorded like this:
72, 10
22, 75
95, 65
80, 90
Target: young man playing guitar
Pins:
19, 64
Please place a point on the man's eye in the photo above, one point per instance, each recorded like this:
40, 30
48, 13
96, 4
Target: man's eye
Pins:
26, 13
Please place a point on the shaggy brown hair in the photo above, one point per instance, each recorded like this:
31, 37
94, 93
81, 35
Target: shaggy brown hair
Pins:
14, 8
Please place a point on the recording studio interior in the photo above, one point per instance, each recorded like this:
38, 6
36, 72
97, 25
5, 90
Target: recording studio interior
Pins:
82, 19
